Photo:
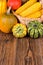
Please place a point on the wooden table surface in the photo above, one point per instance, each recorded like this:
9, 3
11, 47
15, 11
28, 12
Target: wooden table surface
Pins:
25, 51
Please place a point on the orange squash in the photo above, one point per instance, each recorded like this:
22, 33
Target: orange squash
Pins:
7, 21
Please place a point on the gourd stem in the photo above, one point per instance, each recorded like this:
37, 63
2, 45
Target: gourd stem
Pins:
8, 11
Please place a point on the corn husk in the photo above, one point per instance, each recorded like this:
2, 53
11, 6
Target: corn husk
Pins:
25, 20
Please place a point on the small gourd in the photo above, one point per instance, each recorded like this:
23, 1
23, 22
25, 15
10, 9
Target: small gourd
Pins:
19, 30
35, 29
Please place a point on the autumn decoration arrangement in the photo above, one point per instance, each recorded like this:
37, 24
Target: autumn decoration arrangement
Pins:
21, 17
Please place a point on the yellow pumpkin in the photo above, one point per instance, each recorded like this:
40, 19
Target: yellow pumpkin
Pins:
3, 6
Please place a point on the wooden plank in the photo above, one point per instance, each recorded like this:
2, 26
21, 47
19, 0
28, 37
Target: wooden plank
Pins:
22, 49
36, 46
7, 49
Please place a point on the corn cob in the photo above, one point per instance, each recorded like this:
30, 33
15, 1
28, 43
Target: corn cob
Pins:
35, 7
26, 5
35, 15
42, 11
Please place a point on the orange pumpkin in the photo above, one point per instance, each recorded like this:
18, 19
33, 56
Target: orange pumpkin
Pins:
7, 21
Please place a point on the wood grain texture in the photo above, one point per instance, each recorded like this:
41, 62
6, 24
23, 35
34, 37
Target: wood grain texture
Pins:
25, 51
36, 47
7, 49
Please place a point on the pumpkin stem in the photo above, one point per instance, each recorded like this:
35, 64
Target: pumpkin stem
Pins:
8, 11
